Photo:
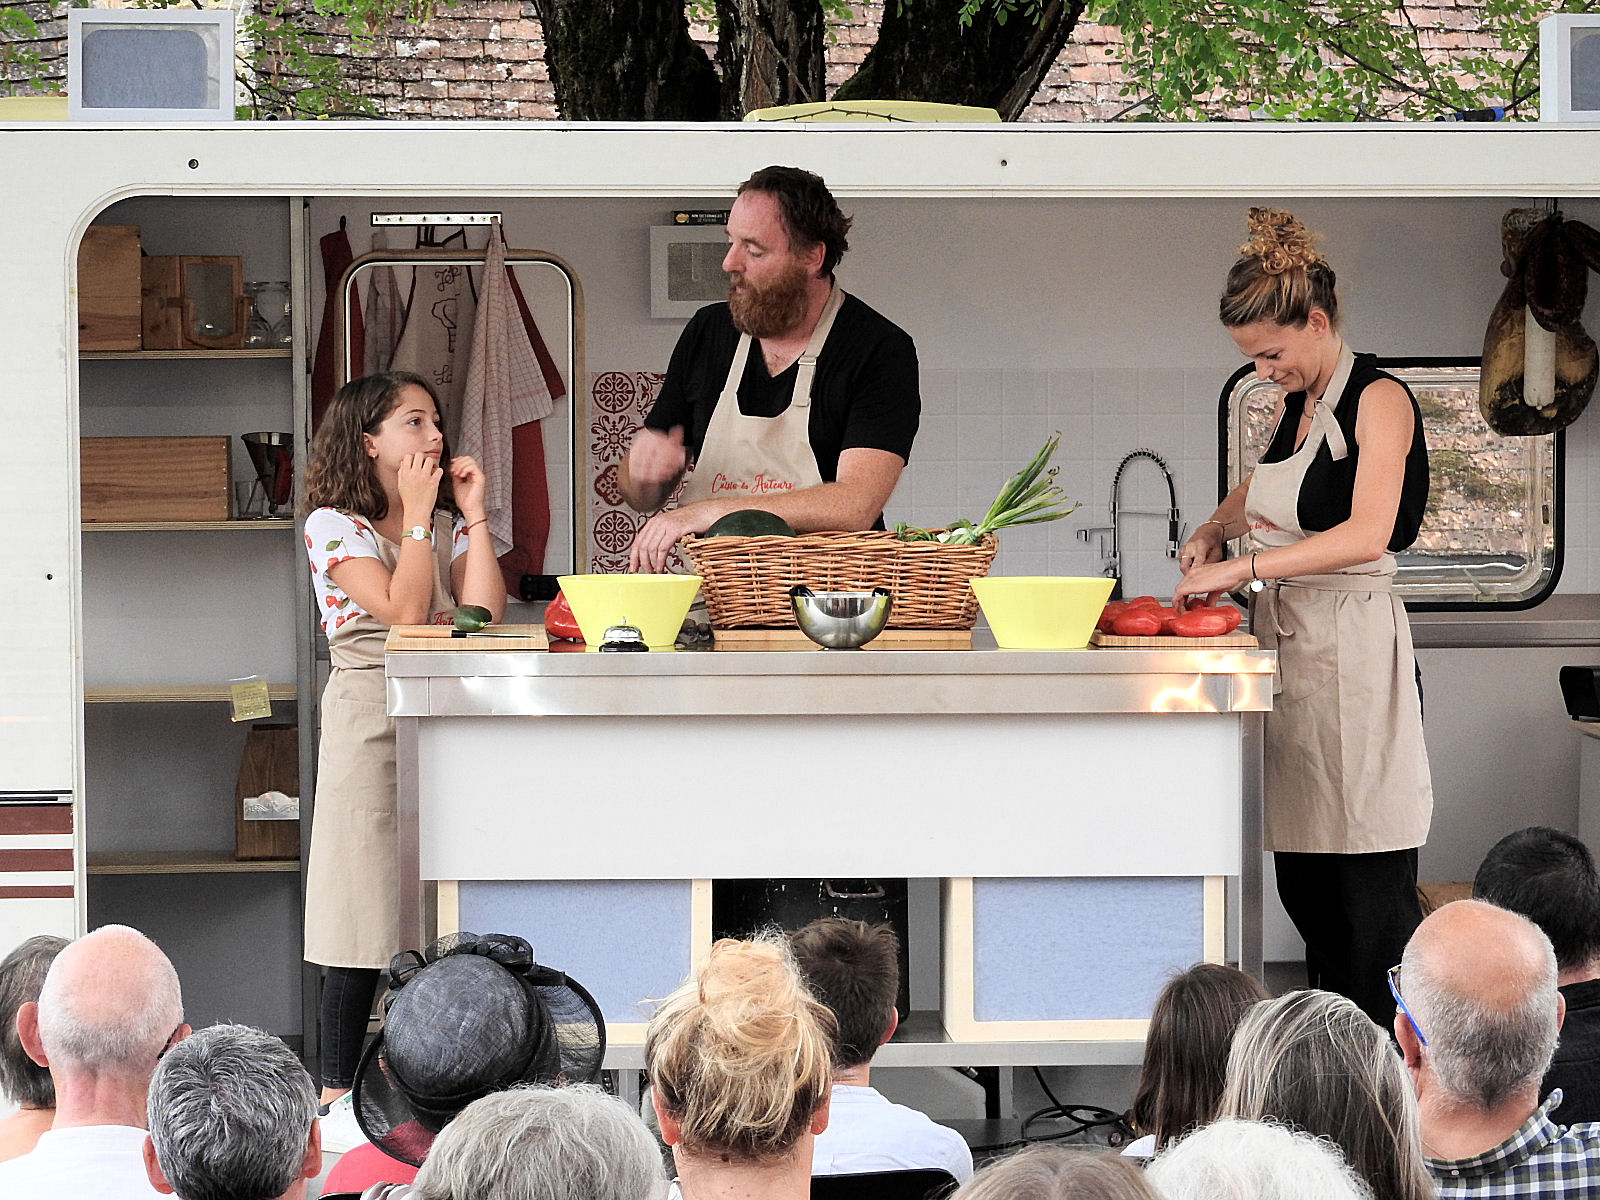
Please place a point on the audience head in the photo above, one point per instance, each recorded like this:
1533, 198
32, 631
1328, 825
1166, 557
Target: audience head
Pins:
469, 1016
1312, 1060
1481, 984
1058, 1173
109, 1006
1186, 1048
22, 1081
854, 969
543, 1143
740, 1056
1253, 1160
232, 1117
1550, 878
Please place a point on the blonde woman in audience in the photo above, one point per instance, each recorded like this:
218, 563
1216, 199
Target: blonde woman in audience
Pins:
1058, 1173
1312, 1060
740, 1072
1253, 1160
1186, 1053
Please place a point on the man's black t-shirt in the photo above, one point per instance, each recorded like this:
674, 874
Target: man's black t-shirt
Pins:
864, 395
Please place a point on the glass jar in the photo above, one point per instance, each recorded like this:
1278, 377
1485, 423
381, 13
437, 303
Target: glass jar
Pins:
271, 323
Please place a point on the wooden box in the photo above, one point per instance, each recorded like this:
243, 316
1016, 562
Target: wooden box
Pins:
154, 478
271, 763
193, 302
1077, 959
109, 288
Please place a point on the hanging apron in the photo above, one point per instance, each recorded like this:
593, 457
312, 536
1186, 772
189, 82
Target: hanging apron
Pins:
352, 877
438, 329
1346, 770
761, 456
327, 373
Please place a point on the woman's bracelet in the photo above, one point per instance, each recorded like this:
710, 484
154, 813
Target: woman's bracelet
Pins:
1253, 574
1213, 521
479, 521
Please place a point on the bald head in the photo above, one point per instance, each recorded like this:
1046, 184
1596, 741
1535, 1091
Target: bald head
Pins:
1481, 982
109, 1005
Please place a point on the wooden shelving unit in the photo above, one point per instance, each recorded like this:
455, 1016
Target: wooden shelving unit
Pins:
176, 693
182, 862
152, 355
242, 525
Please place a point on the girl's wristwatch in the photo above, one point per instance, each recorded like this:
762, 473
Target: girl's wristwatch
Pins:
420, 533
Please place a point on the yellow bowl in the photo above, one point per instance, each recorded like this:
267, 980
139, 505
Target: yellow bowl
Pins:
653, 604
1042, 612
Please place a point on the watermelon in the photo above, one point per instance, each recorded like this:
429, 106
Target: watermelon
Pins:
750, 522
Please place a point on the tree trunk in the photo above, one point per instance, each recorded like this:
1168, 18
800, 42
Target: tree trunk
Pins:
769, 52
626, 60
922, 53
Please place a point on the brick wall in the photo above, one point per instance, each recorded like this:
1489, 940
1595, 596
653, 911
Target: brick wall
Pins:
484, 60
50, 46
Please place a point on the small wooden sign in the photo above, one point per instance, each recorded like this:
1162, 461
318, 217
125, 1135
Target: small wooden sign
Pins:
271, 763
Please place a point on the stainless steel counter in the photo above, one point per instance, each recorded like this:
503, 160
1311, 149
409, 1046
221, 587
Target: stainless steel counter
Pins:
983, 679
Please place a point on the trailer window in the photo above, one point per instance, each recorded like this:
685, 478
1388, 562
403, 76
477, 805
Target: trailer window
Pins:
1491, 536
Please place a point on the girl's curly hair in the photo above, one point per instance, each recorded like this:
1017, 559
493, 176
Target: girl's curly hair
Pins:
339, 473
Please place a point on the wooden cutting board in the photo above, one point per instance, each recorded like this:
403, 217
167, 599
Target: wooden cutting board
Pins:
437, 637
1237, 639
889, 639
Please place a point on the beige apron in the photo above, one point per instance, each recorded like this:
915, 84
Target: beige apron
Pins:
1346, 770
761, 456
352, 877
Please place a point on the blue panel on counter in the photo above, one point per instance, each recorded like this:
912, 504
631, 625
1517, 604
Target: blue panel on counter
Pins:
624, 940
1080, 949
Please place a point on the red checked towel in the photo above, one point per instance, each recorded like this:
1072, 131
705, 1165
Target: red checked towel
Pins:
505, 388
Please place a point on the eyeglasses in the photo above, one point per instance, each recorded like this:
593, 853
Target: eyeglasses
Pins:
1394, 990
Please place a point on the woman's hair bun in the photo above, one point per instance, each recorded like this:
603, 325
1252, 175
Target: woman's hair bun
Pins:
1279, 241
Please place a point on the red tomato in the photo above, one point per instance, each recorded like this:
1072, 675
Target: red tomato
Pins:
1112, 611
1137, 622
1199, 622
1227, 611
1144, 602
559, 622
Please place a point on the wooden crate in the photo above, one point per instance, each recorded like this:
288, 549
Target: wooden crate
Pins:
154, 478
1077, 959
168, 302
271, 762
108, 288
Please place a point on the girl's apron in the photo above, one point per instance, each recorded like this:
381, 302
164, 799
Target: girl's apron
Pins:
1346, 770
352, 879
761, 456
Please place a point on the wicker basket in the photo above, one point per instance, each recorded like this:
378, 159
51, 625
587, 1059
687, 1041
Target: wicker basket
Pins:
747, 579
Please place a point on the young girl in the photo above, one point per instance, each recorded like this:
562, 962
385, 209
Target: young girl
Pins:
397, 536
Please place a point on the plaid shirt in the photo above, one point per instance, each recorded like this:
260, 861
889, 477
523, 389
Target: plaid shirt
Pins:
1542, 1159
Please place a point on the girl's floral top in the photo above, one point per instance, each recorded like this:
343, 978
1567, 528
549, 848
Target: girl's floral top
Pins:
333, 537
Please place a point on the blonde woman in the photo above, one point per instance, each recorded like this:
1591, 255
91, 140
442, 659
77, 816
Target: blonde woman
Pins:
740, 1072
1339, 490
1313, 1061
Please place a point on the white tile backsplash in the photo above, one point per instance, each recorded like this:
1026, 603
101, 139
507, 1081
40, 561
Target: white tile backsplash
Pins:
979, 426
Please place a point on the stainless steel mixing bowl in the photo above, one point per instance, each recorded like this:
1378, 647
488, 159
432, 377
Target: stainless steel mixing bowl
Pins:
840, 620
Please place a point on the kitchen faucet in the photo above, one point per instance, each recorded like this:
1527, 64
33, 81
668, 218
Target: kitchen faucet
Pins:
1113, 565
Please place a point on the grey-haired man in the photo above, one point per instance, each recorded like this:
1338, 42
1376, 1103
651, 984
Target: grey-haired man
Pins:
1477, 1025
232, 1117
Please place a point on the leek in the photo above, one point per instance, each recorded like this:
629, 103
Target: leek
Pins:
1030, 497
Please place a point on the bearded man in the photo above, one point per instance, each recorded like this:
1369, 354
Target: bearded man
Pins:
792, 397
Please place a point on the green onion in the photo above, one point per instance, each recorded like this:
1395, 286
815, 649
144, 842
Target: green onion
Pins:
1030, 497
